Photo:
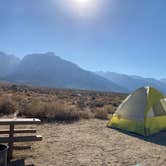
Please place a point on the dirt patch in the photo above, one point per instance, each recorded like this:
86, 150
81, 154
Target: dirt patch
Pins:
91, 143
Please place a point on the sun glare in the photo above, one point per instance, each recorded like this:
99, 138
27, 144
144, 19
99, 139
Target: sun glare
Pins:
83, 2
79, 8
84, 7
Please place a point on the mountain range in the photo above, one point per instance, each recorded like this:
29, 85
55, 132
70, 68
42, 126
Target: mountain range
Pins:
133, 82
52, 71
7, 63
47, 69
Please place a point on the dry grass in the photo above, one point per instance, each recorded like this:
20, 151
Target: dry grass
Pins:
50, 111
7, 106
110, 109
101, 113
86, 114
57, 104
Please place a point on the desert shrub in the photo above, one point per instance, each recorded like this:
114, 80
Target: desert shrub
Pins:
97, 103
101, 113
115, 103
86, 114
7, 106
23, 104
70, 114
50, 112
110, 109
28, 94
93, 98
33, 109
81, 104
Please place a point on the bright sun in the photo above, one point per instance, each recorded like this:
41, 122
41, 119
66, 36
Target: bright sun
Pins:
84, 7
82, 2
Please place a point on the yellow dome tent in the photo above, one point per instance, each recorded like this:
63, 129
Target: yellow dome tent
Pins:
142, 112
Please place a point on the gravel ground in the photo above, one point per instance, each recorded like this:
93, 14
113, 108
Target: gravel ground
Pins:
91, 143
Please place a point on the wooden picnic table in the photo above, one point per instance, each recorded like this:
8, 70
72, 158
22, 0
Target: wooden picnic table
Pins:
11, 138
19, 121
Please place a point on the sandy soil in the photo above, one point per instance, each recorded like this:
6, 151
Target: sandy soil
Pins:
91, 143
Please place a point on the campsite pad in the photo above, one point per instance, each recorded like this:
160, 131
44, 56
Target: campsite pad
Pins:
91, 143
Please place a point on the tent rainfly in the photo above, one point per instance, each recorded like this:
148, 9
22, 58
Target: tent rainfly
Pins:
142, 112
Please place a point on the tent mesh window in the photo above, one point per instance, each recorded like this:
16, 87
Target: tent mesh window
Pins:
163, 103
158, 110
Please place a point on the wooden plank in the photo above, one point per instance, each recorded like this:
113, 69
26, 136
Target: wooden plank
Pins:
11, 143
20, 121
21, 139
19, 162
18, 131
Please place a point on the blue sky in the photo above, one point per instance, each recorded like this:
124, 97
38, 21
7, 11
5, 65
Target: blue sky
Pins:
127, 36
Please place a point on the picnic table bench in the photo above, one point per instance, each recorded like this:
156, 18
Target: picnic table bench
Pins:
11, 139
